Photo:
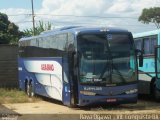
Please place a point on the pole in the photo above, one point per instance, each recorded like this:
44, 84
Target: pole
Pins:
33, 17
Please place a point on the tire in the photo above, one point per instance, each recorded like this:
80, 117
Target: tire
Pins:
156, 94
72, 105
29, 89
32, 94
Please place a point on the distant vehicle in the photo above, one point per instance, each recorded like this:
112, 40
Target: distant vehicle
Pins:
149, 74
80, 66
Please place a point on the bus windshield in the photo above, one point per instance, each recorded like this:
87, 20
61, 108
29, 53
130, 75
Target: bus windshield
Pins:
106, 59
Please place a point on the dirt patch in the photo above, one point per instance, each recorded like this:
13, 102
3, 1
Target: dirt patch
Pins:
145, 109
144, 106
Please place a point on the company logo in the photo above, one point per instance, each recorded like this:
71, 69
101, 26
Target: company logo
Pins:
93, 88
47, 67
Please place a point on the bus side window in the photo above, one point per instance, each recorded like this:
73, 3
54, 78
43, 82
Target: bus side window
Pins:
47, 42
146, 46
53, 43
40, 42
33, 42
60, 40
64, 39
149, 44
153, 43
138, 43
70, 42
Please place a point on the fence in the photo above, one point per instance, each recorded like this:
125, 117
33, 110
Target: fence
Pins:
8, 66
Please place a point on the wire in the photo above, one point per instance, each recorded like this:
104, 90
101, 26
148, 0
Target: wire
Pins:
19, 15
82, 23
22, 22
83, 16
72, 22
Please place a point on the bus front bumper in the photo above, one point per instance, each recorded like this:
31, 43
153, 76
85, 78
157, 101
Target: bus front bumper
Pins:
107, 100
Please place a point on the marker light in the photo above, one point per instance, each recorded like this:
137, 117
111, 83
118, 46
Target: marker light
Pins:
87, 93
131, 91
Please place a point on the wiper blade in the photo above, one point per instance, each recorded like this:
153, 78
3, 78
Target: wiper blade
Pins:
119, 73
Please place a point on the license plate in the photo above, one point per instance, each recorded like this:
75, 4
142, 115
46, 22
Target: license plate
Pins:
111, 100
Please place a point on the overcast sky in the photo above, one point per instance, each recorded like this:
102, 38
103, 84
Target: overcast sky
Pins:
112, 13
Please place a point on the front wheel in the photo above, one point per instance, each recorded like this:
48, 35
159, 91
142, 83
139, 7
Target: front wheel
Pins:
156, 94
72, 105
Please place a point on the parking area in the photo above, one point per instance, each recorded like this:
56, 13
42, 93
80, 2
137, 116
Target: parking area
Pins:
48, 106
51, 109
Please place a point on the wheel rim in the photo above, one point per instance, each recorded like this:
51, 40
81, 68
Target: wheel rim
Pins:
28, 89
31, 91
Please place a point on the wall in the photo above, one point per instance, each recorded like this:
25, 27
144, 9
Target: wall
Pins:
8, 66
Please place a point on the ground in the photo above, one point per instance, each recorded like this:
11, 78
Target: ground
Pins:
53, 109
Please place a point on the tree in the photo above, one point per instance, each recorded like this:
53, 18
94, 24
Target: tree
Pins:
9, 32
151, 15
40, 27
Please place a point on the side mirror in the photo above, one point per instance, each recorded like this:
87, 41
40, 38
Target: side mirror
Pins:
140, 56
75, 59
141, 60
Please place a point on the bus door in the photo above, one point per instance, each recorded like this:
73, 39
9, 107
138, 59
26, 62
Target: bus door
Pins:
157, 66
70, 85
66, 84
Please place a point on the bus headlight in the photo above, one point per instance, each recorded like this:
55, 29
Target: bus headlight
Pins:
87, 93
131, 91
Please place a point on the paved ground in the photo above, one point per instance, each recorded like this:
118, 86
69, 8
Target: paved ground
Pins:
54, 109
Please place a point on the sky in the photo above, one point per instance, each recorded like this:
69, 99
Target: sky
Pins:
107, 13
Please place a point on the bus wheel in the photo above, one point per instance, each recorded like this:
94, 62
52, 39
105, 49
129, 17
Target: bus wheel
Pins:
29, 89
72, 104
156, 94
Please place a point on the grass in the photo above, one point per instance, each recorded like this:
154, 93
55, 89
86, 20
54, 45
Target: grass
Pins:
15, 96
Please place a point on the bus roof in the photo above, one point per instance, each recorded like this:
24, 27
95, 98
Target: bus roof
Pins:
75, 29
148, 33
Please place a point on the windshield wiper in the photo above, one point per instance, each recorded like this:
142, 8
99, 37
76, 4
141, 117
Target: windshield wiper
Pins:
119, 73
108, 63
110, 66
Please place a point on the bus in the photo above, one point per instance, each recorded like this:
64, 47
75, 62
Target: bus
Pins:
149, 82
80, 66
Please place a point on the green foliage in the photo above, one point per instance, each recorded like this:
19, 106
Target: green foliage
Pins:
9, 32
40, 27
151, 15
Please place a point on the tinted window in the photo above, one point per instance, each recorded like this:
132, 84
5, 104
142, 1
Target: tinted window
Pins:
61, 41
138, 43
106, 58
146, 46
34, 42
149, 44
47, 46
153, 43
70, 42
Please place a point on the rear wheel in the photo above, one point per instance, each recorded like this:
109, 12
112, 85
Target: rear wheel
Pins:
29, 89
